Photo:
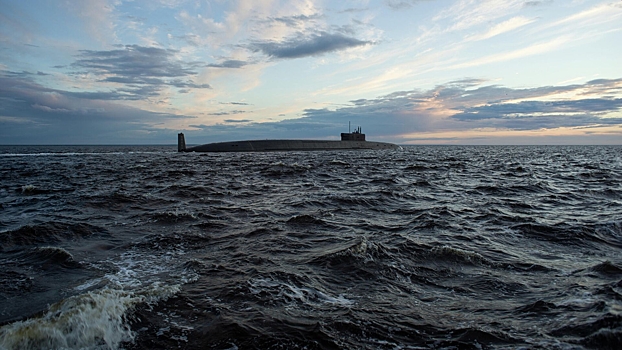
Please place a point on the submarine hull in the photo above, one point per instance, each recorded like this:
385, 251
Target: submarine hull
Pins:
289, 145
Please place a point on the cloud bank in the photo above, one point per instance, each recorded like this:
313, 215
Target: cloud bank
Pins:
31, 113
459, 106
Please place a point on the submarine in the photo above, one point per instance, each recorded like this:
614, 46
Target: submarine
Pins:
349, 141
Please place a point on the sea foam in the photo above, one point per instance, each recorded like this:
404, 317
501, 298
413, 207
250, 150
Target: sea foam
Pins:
93, 320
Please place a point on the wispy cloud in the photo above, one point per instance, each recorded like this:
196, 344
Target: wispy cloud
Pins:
595, 15
98, 17
531, 50
402, 4
503, 27
466, 14
537, 3
19, 24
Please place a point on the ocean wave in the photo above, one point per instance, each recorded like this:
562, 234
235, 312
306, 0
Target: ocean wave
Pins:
46, 233
459, 255
602, 333
429, 247
51, 256
85, 321
304, 219
294, 293
174, 216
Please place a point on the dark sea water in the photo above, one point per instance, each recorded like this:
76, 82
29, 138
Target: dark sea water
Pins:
424, 247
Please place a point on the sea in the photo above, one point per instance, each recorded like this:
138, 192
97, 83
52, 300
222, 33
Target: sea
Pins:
425, 247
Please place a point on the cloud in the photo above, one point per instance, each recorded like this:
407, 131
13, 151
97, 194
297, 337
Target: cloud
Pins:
458, 107
534, 49
31, 113
21, 26
603, 87
462, 107
466, 83
97, 16
503, 27
236, 111
466, 14
134, 62
304, 46
229, 64
188, 84
597, 15
569, 112
402, 4
295, 20
452, 108
143, 70
355, 10
23, 73
235, 103
537, 3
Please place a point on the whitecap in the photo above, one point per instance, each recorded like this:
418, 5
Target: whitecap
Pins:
92, 320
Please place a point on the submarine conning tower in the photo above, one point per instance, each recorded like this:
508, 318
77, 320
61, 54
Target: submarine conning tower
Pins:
357, 135
181, 142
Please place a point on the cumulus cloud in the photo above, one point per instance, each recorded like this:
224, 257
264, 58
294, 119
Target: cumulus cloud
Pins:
304, 46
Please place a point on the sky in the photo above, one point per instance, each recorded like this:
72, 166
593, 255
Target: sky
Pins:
406, 71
